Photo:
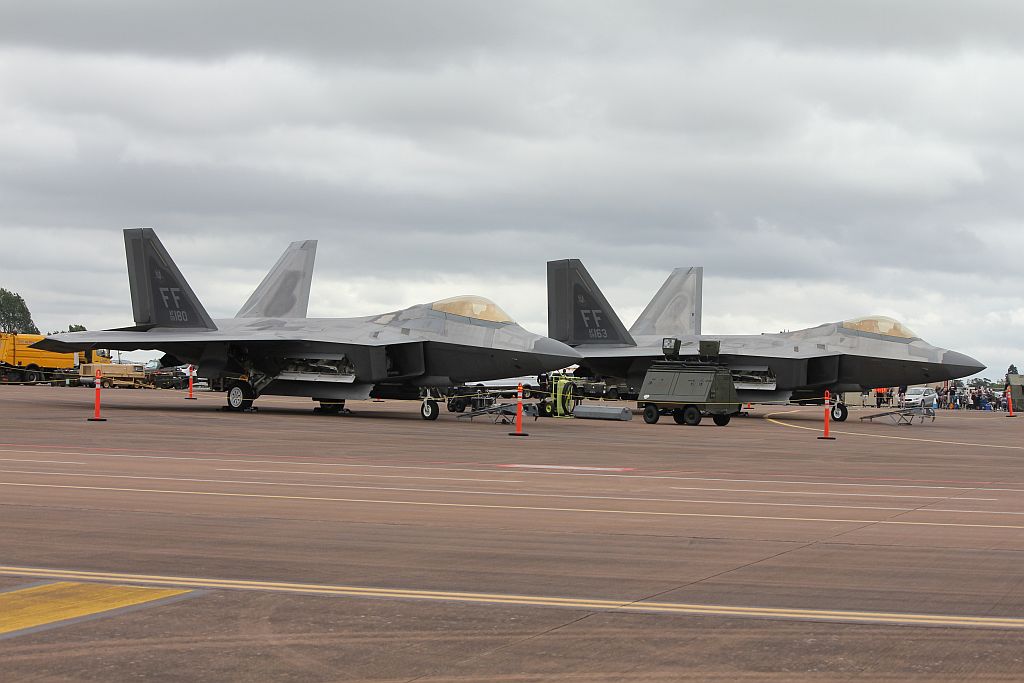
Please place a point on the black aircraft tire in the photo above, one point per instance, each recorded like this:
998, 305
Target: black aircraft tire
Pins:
651, 413
332, 407
429, 410
240, 396
677, 415
840, 412
720, 420
691, 416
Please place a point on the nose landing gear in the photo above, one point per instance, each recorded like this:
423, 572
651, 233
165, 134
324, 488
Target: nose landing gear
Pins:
429, 409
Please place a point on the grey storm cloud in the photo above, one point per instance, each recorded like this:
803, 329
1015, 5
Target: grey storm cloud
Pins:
821, 160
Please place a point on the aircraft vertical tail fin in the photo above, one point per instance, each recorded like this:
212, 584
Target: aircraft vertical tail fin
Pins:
160, 295
676, 308
578, 313
284, 292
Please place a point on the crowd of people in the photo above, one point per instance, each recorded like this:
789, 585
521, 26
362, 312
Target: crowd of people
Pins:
972, 399
951, 398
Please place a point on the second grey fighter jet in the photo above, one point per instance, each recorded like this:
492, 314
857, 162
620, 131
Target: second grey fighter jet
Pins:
851, 355
271, 347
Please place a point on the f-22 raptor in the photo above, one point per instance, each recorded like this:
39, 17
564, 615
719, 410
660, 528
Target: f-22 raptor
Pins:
798, 366
271, 347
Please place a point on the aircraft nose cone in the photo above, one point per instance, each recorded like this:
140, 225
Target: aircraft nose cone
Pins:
960, 364
557, 351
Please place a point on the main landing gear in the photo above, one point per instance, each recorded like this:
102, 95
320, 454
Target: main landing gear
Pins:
336, 407
240, 396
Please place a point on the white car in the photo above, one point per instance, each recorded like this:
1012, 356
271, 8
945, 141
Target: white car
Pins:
920, 396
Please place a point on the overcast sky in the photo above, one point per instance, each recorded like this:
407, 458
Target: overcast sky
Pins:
822, 160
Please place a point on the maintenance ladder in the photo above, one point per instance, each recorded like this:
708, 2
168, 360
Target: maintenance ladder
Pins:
504, 413
904, 416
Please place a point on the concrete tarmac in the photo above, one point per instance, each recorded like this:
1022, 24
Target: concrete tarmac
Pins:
378, 546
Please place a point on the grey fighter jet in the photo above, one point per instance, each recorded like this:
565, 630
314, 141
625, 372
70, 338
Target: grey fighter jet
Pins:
851, 355
271, 347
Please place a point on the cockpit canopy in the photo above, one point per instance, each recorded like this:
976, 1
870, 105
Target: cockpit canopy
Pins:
879, 324
476, 307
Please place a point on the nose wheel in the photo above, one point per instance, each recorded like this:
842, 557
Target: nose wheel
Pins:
429, 409
839, 412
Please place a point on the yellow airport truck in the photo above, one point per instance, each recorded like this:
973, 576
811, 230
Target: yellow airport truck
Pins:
23, 364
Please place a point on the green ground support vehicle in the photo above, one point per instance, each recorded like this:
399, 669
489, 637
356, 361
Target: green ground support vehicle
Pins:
687, 392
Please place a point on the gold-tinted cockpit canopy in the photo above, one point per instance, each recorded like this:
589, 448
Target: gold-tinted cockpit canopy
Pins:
879, 324
475, 307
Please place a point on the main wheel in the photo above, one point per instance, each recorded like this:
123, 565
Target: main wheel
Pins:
691, 416
720, 420
677, 415
651, 413
332, 407
240, 396
429, 410
840, 412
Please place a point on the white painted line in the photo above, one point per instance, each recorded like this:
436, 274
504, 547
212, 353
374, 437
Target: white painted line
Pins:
978, 512
826, 493
482, 470
830, 483
483, 493
572, 467
375, 476
421, 503
50, 462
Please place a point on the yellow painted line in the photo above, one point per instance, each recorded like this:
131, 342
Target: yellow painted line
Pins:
889, 436
43, 605
671, 608
651, 513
